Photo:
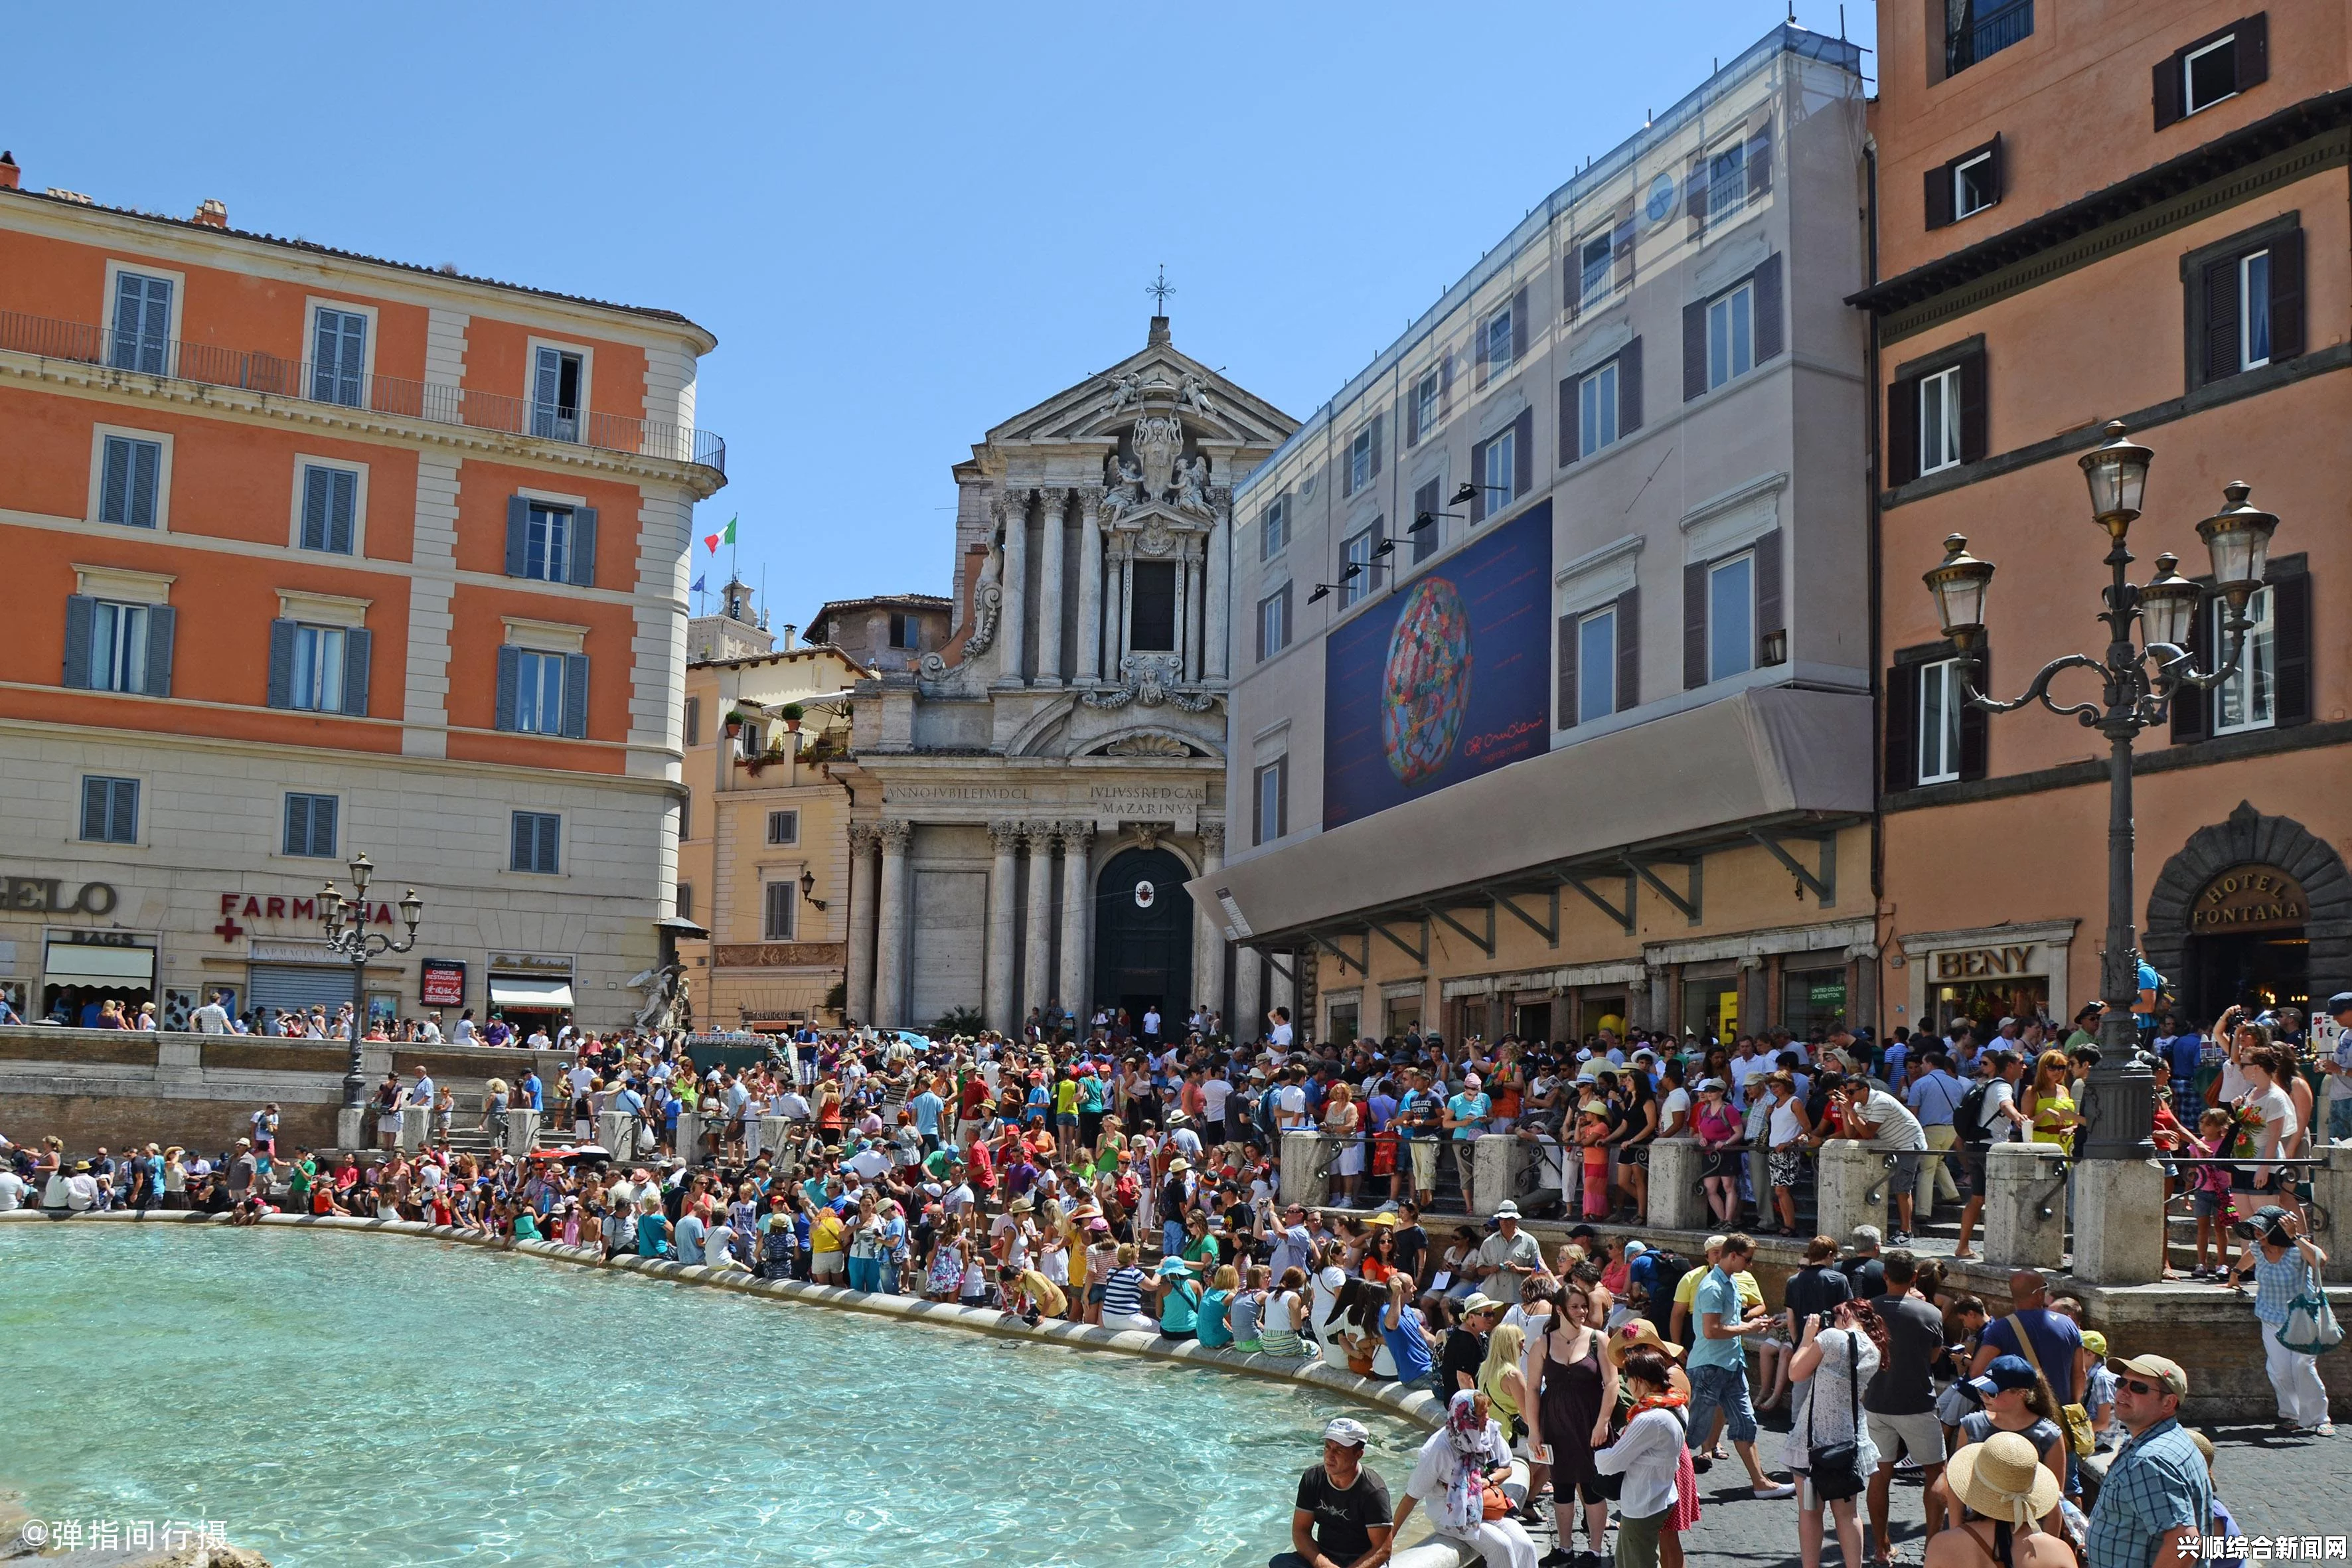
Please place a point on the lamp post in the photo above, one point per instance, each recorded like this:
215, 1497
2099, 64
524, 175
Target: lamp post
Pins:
346, 920
2138, 685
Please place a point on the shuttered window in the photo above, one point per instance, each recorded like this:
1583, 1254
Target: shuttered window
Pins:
1422, 408
1270, 803
551, 542
1273, 529
2244, 301
2213, 69
329, 508
537, 843
783, 827
1364, 463
319, 669
2270, 688
693, 721
311, 824
555, 395
142, 323
1359, 573
783, 900
109, 810
1932, 735
338, 356
1965, 185
129, 477
1937, 414
1274, 623
1731, 607
2249, 698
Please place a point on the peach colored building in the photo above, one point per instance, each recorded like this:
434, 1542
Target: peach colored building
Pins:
2087, 210
311, 553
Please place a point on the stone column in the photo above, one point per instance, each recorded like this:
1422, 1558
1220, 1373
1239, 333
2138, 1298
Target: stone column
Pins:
1677, 1201
859, 1001
1246, 1021
1052, 505
1184, 648
1077, 908
1853, 1189
2119, 1222
1014, 619
1037, 970
2025, 1210
1303, 1177
522, 1132
894, 922
1208, 925
1117, 619
1219, 544
1091, 572
2331, 1186
1005, 838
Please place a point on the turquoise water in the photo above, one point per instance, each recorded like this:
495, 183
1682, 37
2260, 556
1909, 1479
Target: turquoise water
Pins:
344, 1399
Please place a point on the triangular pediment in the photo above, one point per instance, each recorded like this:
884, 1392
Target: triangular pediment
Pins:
1159, 377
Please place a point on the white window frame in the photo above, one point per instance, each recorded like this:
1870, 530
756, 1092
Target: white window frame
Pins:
1360, 458
1596, 409
115, 269
1272, 617
2247, 296
530, 384
321, 696
1355, 550
1497, 363
104, 672
1734, 345
1715, 641
1590, 295
1721, 209
1505, 442
1584, 665
311, 306
1939, 419
789, 817
1960, 208
1938, 759
1429, 400
570, 511
789, 885
1265, 779
1274, 528
305, 461
139, 801
2257, 673
98, 435
2189, 104
538, 724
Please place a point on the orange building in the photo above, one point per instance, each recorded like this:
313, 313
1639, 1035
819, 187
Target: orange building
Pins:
2087, 210
311, 553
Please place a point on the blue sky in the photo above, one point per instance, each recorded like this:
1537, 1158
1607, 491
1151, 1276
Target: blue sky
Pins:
904, 223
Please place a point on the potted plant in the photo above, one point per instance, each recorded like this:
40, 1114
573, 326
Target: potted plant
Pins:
792, 712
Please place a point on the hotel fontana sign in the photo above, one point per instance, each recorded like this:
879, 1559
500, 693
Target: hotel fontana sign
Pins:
2248, 898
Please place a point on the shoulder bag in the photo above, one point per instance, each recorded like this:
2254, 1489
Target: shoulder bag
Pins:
2075, 1418
2311, 1328
1835, 1469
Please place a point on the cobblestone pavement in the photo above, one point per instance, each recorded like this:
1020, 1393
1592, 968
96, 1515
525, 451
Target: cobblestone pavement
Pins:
2274, 1484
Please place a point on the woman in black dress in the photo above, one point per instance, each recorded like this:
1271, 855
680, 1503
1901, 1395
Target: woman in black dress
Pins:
1575, 1395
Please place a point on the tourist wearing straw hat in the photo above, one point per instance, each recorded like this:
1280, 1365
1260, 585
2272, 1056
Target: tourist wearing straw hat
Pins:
2003, 1482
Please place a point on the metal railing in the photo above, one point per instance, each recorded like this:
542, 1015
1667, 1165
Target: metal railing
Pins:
1996, 25
332, 384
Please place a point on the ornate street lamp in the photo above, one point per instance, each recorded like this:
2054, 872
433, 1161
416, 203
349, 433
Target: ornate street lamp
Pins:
2139, 682
346, 920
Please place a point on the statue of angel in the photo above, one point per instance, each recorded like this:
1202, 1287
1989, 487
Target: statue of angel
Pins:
1194, 391
1193, 483
1125, 389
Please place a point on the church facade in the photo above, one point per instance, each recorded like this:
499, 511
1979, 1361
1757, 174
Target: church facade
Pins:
1029, 800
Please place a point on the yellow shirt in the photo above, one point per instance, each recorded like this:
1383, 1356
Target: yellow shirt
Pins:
829, 1234
2054, 1119
1686, 1293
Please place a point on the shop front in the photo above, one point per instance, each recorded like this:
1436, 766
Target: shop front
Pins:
2256, 912
81, 971
1984, 974
532, 990
1402, 1002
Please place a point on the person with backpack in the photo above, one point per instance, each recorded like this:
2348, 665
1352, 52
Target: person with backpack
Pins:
1986, 1114
2286, 1264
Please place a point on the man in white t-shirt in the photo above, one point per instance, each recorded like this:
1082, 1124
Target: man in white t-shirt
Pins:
1884, 1122
1290, 1102
12, 1190
212, 1018
1214, 1092
1745, 1064
1277, 1032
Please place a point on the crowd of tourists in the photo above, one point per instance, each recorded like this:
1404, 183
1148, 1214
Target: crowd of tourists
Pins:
1130, 1180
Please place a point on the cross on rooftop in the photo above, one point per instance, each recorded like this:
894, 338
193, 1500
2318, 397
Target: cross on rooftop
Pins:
1159, 289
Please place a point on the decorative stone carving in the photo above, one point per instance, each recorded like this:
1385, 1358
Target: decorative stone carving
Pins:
1005, 838
1076, 836
1157, 538
1212, 838
987, 604
1151, 680
1159, 442
1040, 835
864, 835
1194, 391
1147, 834
1148, 746
1124, 390
1192, 485
1123, 488
898, 834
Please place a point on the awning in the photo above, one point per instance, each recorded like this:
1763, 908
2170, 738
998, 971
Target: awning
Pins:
71, 963
1764, 754
686, 928
529, 991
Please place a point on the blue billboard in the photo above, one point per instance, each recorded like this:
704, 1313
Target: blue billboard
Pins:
1446, 678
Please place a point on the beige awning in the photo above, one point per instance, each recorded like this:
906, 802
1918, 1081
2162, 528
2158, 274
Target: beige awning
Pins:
530, 990
1772, 752
73, 964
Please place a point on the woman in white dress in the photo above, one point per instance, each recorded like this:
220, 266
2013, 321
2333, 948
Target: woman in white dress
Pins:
1833, 1364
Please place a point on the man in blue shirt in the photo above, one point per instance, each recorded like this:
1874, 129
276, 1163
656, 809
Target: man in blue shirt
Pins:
2157, 1499
1719, 1361
531, 1088
2338, 1069
927, 1107
1934, 1095
1403, 1332
1466, 1118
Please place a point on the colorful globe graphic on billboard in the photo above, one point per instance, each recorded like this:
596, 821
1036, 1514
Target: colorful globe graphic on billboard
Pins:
1427, 684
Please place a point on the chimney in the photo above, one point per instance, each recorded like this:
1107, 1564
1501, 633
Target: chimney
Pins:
1158, 336
212, 214
8, 172
785, 637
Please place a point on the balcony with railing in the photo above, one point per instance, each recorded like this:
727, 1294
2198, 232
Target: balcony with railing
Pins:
1982, 29
343, 385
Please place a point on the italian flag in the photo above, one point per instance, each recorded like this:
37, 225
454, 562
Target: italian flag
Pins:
724, 536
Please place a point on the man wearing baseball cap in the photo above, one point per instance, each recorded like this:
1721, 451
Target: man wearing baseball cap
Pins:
2338, 1069
2158, 1495
1341, 1517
